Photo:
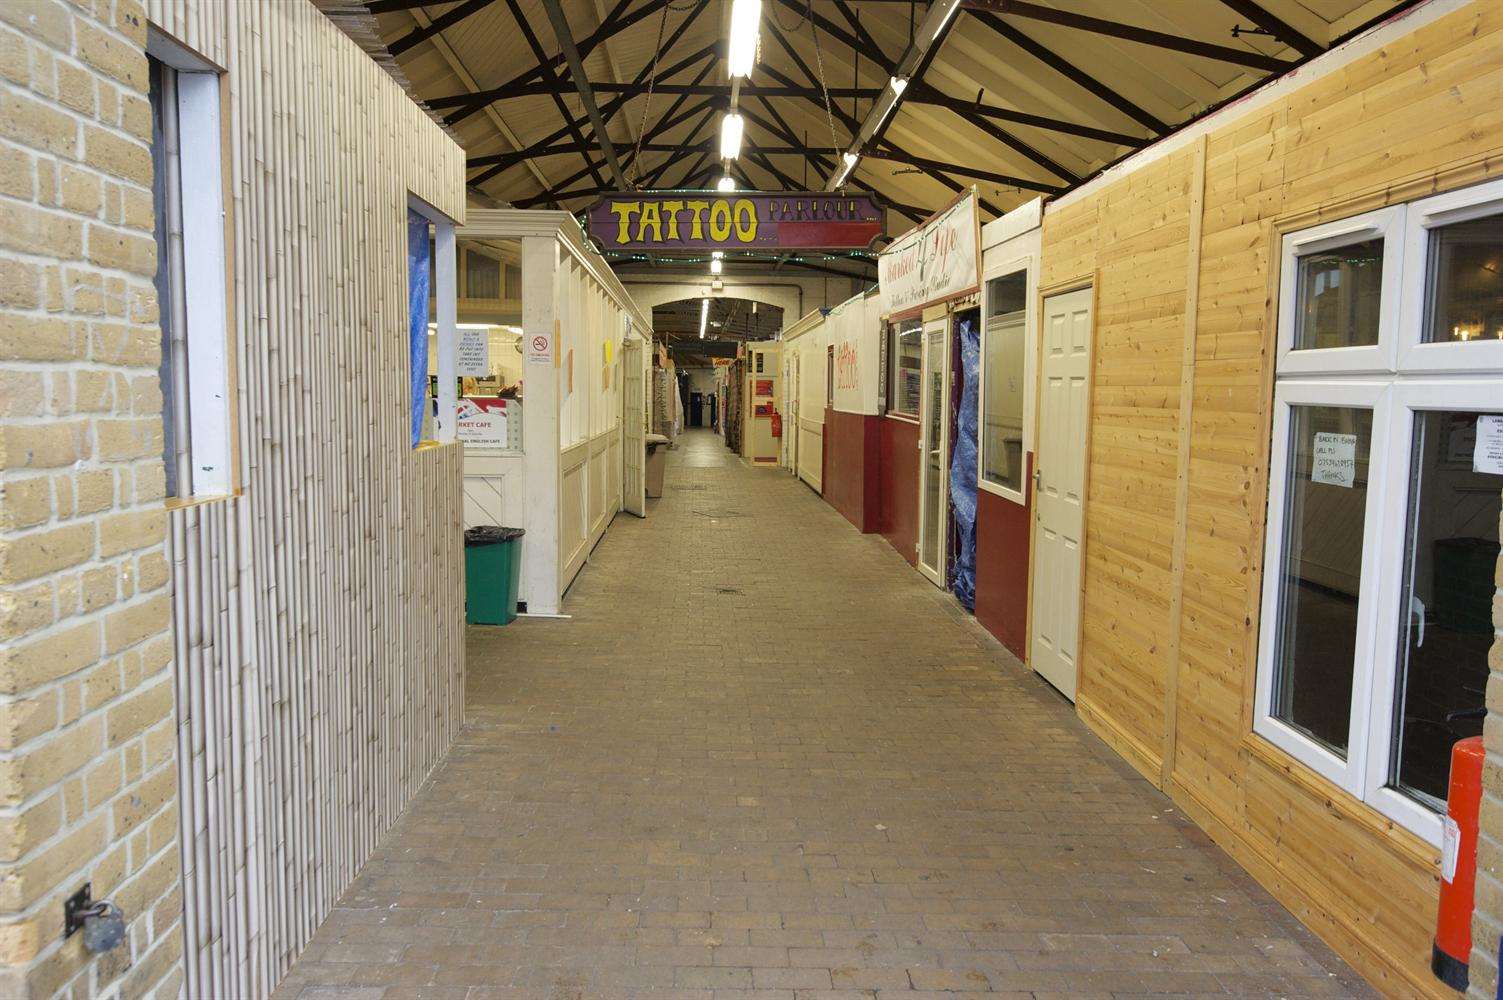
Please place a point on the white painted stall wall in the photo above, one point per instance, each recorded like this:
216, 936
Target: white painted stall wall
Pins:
809, 339
566, 486
855, 330
318, 614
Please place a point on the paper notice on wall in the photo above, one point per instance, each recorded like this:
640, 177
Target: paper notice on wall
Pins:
1335, 459
474, 359
1487, 453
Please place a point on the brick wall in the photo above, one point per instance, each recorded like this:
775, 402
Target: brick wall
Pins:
1487, 918
87, 781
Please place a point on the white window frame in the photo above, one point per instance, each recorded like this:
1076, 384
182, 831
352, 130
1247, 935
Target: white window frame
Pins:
889, 353
1026, 262
1396, 378
1385, 223
198, 282
1407, 398
1429, 213
1347, 394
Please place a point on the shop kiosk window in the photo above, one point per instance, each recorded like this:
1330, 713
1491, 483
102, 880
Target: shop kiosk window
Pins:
1002, 390
905, 367
192, 295
1384, 497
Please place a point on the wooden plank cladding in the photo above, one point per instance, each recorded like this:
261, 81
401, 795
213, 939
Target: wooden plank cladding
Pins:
1180, 248
318, 613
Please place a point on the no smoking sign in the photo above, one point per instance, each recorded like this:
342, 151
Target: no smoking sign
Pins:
539, 349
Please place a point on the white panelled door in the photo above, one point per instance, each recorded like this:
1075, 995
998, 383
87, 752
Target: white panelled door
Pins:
1059, 487
633, 427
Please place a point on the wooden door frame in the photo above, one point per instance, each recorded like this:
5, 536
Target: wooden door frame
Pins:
1091, 280
944, 441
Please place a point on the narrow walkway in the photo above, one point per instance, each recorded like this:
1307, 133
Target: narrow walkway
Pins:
765, 755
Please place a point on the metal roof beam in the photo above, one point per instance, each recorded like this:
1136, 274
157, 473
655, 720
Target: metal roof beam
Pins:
1066, 69
1277, 27
536, 88
545, 67
476, 101
586, 96
1131, 33
447, 19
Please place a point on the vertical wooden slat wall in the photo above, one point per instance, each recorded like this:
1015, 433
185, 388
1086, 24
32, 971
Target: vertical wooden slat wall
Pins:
319, 613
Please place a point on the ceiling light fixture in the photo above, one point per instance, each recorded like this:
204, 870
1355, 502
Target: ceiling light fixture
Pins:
898, 84
850, 164
716, 265
746, 17
726, 183
731, 127
947, 12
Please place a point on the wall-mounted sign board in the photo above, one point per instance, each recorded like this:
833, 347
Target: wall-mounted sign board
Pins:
699, 220
932, 262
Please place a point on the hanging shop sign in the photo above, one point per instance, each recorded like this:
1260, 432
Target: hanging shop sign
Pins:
933, 262
680, 220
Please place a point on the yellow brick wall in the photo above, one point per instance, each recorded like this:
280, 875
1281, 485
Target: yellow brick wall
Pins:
87, 778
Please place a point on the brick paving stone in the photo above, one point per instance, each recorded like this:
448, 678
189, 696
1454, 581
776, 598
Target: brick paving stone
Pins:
764, 757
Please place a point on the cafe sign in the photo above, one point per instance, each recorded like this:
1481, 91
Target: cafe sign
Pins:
692, 220
935, 261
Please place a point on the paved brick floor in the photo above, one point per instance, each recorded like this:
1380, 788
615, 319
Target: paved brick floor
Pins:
766, 757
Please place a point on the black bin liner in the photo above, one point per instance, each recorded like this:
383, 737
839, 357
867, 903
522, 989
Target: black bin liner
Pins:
490, 534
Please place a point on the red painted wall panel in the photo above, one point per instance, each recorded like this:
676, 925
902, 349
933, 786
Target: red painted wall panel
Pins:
851, 458
1002, 538
897, 484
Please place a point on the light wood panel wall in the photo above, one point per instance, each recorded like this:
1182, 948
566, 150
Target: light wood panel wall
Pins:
1179, 458
319, 613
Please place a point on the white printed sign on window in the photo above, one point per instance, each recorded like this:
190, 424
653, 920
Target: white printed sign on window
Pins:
1487, 453
474, 353
483, 422
1335, 459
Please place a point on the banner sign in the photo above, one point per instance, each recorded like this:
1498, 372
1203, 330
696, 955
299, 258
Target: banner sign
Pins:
691, 220
932, 262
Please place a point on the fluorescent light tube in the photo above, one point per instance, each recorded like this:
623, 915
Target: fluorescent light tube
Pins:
851, 160
949, 12
731, 127
704, 316
746, 17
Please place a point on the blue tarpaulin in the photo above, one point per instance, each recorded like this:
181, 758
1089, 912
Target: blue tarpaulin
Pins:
419, 269
963, 462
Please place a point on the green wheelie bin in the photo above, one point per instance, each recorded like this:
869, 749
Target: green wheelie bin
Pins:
492, 571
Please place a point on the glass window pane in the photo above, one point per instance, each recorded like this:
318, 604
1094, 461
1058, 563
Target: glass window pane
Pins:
1450, 555
1466, 288
903, 392
1339, 293
1320, 571
1002, 433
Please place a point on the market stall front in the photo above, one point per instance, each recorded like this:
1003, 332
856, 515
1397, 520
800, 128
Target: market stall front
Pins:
552, 356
